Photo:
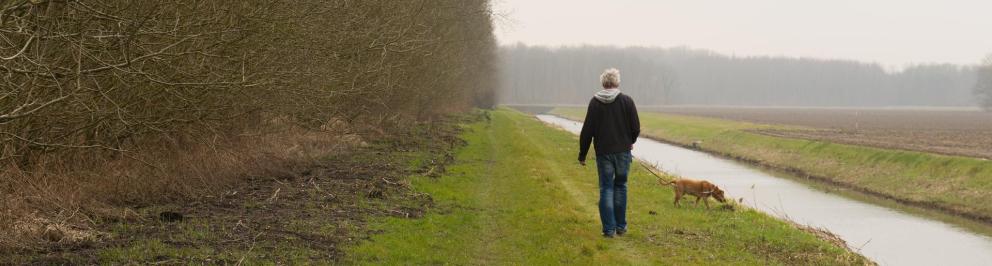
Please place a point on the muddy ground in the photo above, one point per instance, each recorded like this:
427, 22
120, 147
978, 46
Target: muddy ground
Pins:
306, 216
943, 131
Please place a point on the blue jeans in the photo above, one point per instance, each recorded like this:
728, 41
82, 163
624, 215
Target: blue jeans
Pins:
613, 169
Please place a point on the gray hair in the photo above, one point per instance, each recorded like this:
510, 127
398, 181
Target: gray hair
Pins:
610, 78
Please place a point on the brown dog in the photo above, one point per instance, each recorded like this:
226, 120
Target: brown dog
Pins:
701, 189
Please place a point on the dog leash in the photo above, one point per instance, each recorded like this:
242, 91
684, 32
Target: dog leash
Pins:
650, 171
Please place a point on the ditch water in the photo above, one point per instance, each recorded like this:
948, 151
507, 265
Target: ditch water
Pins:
883, 231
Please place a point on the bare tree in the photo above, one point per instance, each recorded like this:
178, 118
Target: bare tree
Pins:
983, 85
119, 102
117, 75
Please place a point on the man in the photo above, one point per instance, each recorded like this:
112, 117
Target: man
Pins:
612, 124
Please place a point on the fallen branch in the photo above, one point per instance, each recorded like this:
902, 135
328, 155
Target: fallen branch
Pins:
405, 214
274, 195
250, 248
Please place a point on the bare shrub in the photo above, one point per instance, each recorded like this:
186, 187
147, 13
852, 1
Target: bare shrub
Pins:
114, 103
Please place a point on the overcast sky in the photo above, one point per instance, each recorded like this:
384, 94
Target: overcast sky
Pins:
891, 32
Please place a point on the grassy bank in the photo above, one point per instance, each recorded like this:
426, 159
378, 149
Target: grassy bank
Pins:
956, 185
515, 195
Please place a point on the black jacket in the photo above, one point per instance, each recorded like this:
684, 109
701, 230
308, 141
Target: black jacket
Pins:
614, 126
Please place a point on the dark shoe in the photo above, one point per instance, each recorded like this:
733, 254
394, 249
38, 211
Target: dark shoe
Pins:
620, 232
609, 235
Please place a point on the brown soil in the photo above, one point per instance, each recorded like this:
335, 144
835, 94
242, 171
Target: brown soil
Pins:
943, 131
316, 211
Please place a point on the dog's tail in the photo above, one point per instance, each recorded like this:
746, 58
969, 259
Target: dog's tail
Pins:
666, 183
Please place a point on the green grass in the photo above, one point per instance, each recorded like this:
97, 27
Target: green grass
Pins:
515, 195
956, 184
186, 246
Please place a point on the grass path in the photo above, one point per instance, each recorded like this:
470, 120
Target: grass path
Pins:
515, 196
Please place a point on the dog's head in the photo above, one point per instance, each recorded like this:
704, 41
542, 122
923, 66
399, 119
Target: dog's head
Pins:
716, 192
718, 195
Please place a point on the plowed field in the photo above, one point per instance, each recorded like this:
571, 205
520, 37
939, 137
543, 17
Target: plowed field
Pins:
942, 131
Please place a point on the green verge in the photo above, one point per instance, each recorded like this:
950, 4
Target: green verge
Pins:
957, 185
515, 195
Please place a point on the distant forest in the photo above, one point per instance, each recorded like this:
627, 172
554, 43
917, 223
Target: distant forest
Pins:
682, 76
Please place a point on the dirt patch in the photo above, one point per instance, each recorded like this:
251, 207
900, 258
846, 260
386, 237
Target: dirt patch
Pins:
310, 214
941, 131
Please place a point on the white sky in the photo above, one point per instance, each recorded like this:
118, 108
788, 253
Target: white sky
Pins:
894, 33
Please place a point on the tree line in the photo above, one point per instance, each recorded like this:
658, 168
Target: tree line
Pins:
108, 77
656, 76
983, 87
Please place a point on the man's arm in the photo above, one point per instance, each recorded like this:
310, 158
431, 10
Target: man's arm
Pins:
635, 122
585, 138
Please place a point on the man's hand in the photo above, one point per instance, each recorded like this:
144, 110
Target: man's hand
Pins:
583, 163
